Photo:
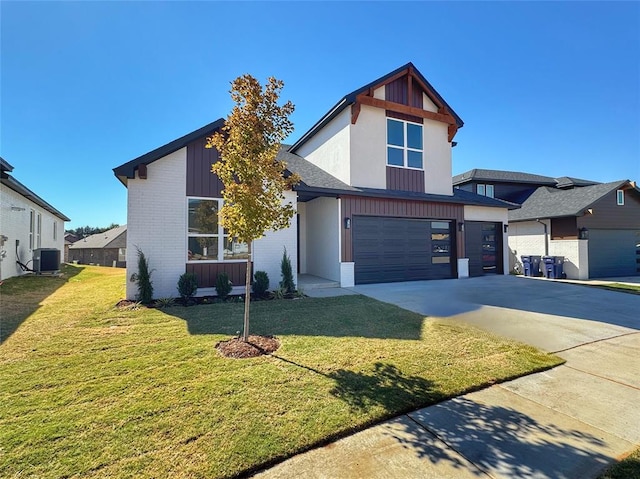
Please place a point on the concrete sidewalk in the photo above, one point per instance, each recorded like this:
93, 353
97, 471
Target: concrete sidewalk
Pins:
569, 422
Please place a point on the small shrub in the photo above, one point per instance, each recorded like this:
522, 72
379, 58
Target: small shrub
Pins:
187, 286
261, 284
279, 293
143, 278
287, 282
223, 285
163, 303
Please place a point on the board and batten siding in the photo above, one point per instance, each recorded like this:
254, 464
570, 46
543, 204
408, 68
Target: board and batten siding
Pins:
355, 205
405, 179
200, 180
206, 273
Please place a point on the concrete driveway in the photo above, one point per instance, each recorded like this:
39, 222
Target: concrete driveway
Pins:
566, 423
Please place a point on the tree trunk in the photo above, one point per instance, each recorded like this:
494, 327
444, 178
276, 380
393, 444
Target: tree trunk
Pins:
247, 296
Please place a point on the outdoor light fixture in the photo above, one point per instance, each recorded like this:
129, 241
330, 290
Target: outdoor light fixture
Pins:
460, 226
506, 228
583, 233
347, 223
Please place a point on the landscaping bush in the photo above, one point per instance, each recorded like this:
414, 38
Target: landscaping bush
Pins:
187, 286
261, 284
143, 278
287, 283
223, 285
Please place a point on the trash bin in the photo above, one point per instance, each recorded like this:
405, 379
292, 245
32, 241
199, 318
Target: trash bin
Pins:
553, 267
531, 265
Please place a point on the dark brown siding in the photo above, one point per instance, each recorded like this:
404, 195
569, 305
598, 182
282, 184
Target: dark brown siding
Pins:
355, 205
608, 215
200, 180
564, 228
207, 272
405, 179
398, 92
404, 116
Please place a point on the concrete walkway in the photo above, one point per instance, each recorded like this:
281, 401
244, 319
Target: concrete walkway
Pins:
570, 422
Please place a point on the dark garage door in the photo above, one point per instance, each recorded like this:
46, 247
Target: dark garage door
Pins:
401, 249
614, 253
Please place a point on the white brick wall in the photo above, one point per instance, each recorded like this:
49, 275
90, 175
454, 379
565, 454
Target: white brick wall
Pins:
14, 224
156, 223
576, 257
267, 251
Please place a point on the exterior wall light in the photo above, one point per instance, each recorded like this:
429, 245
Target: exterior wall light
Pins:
461, 226
505, 228
347, 223
583, 233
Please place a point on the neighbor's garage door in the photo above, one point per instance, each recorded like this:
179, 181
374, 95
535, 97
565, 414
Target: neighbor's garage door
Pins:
614, 253
400, 249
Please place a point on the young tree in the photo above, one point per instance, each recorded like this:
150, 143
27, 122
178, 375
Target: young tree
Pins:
254, 182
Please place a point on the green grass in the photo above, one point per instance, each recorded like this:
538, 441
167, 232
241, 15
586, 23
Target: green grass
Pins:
91, 390
627, 468
621, 287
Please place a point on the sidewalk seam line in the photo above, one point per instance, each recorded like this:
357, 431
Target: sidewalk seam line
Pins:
603, 377
594, 341
422, 426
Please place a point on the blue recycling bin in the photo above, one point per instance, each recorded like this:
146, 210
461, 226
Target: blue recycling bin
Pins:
553, 267
531, 264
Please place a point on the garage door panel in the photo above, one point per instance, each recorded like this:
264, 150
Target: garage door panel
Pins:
397, 249
613, 253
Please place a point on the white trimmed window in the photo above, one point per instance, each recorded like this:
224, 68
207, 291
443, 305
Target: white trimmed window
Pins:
404, 144
55, 230
485, 190
39, 231
207, 240
620, 197
32, 227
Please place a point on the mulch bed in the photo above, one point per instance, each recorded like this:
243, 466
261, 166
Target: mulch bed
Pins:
256, 346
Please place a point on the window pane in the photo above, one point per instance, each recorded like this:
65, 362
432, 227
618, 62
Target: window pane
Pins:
395, 156
203, 216
414, 136
489, 190
439, 236
440, 247
233, 249
440, 260
481, 190
395, 132
440, 225
414, 159
203, 248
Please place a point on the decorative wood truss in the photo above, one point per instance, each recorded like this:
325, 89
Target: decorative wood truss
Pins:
408, 86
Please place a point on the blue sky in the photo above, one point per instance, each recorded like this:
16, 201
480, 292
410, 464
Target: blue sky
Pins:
543, 87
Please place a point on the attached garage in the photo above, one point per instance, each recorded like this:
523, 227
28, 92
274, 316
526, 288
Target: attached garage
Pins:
614, 253
387, 249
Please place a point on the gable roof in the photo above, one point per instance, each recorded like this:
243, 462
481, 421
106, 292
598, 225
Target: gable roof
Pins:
350, 99
568, 182
127, 170
100, 240
9, 181
478, 174
547, 202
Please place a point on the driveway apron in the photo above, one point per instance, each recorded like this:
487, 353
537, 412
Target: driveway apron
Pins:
569, 422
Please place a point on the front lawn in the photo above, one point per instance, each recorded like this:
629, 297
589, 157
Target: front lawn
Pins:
621, 287
88, 389
627, 468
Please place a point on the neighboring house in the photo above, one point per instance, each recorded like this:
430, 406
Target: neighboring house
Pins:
104, 249
375, 203
69, 239
27, 223
595, 226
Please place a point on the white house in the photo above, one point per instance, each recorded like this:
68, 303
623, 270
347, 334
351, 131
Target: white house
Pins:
375, 203
27, 225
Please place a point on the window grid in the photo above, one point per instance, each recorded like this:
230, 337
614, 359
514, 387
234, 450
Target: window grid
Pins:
407, 151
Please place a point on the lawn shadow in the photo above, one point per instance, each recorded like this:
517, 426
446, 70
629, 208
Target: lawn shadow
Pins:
345, 316
21, 296
500, 441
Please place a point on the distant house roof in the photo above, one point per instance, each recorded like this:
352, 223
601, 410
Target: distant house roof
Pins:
478, 174
568, 182
547, 202
9, 181
102, 240
350, 99
127, 170
70, 238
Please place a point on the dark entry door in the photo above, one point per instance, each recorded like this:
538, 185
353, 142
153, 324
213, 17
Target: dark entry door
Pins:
401, 249
483, 247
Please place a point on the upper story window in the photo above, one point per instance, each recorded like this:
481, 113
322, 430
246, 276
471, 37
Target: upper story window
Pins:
404, 144
207, 239
485, 190
620, 197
